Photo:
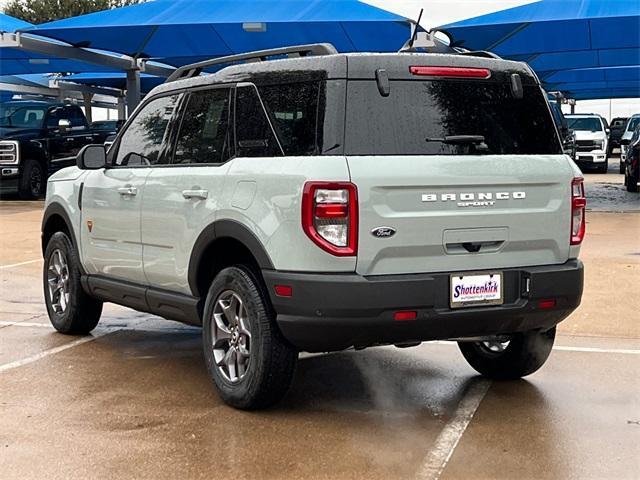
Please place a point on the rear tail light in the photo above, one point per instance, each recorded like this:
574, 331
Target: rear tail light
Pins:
578, 206
450, 72
330, 216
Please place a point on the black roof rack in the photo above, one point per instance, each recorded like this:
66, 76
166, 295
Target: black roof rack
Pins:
479, 53
194, 69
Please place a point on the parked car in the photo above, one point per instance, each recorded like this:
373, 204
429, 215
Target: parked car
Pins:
323, 202
632, 165
591, 140
567, 136
110, 127
37, 139
617, 129
632, 123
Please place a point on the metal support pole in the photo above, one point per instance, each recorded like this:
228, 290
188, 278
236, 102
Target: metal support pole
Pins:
133, 90
122, 114
573, 108
87, 97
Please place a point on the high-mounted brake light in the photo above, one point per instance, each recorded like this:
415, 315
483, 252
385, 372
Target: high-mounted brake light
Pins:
451, 72
578, 207
330, 216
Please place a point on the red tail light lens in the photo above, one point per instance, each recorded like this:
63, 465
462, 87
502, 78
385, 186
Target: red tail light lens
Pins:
405, 315
547, 303
578, 207
330, 216
283, 290
451, 72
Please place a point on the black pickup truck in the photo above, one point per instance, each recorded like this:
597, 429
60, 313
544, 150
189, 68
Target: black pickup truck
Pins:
38, 138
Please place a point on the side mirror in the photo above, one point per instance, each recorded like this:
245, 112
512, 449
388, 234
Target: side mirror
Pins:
64, 124
607, 131
92, 157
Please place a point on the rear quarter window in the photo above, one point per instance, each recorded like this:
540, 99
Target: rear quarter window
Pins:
293, 110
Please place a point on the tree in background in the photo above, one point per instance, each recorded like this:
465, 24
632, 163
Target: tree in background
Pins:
41, 11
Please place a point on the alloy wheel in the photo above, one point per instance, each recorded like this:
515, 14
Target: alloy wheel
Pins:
231, 337
35, 182
494, 347
58, 281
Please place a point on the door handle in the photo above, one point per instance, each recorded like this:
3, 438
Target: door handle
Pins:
128, 191
199, 194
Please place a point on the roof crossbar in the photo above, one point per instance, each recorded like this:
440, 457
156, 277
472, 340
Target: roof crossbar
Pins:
195, 69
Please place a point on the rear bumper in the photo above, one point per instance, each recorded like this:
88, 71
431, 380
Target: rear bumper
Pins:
335, 311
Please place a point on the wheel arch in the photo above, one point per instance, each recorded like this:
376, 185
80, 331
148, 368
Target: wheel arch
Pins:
238, 244
35, 150
56, 219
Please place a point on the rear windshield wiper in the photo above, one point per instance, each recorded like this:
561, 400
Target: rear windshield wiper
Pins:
458, 139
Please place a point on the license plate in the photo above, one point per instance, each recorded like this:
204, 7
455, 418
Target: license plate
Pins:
476, 290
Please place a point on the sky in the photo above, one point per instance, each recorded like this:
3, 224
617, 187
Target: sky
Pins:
441, 12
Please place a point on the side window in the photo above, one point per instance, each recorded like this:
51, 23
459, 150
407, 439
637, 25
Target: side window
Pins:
254, 136
204, 132
293, 109
76, 117
54, 115
144, 138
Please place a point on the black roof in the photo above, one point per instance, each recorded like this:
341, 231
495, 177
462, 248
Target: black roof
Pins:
345, 65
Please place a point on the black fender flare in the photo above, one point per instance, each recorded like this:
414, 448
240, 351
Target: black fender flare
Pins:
225, 229
50, 211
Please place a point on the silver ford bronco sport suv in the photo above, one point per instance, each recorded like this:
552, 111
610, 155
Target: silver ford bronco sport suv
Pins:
327, 201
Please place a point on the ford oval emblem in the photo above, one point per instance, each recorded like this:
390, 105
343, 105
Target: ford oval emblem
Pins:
383, 232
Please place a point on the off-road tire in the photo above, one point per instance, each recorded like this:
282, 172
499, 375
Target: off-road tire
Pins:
272, 360
82, 312
631, 183
604, 167
622, 168
33, 180
525, 353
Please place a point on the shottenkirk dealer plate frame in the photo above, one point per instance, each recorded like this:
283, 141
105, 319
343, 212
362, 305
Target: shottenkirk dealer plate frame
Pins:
483, 303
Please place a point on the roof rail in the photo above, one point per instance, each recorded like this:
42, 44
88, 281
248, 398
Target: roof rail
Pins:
194, 69
480, 53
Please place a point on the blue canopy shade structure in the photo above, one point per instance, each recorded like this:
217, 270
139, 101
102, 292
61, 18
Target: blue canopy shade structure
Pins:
14, 61
182, 31
557, 35
114, 80
611, 81
10, 24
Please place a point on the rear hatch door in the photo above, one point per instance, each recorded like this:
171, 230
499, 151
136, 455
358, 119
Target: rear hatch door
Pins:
456, 175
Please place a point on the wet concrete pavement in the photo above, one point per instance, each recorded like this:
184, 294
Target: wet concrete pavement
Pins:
134, 399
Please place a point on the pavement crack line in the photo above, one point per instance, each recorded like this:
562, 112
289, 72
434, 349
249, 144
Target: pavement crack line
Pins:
438, 457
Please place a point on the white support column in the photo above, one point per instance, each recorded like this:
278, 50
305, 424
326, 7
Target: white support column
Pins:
133, 90
88, 97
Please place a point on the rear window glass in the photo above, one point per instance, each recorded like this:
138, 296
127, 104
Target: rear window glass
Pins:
204, 133
447, 118
589, 124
